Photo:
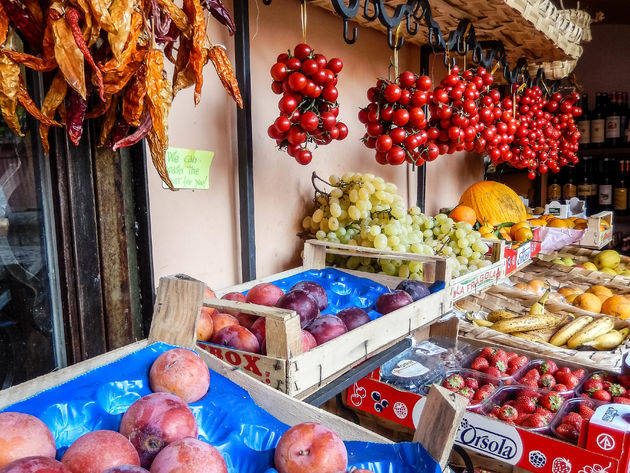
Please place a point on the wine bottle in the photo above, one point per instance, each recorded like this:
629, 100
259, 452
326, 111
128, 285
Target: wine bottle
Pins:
584, 186
584, 123
569, 189
554, 190
598, 123
605, 186
613, 122
620, 199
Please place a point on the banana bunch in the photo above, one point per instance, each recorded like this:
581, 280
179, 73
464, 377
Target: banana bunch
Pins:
566, 331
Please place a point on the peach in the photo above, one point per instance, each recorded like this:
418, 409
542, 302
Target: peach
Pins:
222, 320
264, 294
97, 451
209, 292
326, 328
237, 337
617, 306
246, 320
309, 447
189, 455
181, 372
126, 469
259, 329
154, 421
35, 465
24, 435
205, 326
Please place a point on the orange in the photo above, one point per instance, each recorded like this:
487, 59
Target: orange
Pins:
463, 213
537, 285
588, 301
599, 290
617, 306
567, 290
557, 223
517, 226
523, 234
505, 234
538, 222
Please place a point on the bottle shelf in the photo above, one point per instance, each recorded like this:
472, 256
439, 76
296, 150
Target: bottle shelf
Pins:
604, 151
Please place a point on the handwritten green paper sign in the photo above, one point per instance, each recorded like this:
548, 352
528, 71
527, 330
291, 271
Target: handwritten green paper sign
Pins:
188, 168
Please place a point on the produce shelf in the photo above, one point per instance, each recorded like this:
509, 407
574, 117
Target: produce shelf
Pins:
528, 28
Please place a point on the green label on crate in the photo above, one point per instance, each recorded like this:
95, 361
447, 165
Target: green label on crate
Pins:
188, 168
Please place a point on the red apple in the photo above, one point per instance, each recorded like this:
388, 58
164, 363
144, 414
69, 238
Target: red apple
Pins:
156, 420
391, 301
221, 320
126, 469
35, 465
315, 290
308, 341
205, 326
302, 303
259, 330
189, 455
246, 320
326, 328
181, 372
24, 435
264, 294
97, 451
353, 317
308, 448
237, 337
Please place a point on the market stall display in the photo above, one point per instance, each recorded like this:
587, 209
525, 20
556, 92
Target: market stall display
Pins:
608, 264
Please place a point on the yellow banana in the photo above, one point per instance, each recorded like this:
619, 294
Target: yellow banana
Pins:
528, 336
497, 315
563, 335
608, 341
538, 308
528, 323
597, 327
482, 323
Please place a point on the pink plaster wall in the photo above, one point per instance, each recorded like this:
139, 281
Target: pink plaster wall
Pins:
196, 232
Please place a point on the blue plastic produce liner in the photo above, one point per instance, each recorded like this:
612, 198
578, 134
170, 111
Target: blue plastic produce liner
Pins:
227, 417
344, 290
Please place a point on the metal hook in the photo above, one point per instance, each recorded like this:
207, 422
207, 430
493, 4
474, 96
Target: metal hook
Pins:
345, 33
267, 2
366, 11
390, 40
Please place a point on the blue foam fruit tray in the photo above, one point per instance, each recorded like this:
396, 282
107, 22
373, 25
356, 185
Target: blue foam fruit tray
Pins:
227, 416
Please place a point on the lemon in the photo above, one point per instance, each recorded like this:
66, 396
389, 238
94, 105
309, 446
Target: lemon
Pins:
607, 259
608, 271
589, 265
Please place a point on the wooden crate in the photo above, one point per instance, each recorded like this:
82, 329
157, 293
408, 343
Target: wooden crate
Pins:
299, 374
175, 324
519, 302
594, 236
579, 256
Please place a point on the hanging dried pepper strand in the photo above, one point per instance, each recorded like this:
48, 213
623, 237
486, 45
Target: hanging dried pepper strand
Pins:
120, 12
143, 128
222, 64
183, 76
32, 62
53, 100
194, 11
4, 25
69, 57
100, 11
158, 99
75, 115
99, 109
220, 13
35, 11
28, 27
72, 18
27, 102
109, 120
9, 87
91, 30
119, 131
177, 16
133, 102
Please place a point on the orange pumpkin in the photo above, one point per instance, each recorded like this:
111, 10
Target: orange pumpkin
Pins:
494, 202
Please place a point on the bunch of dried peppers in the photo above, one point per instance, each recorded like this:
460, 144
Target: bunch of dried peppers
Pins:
107, 60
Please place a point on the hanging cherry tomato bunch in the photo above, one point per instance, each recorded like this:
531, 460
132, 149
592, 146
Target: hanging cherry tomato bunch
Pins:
395, 121
546, 137
308, 106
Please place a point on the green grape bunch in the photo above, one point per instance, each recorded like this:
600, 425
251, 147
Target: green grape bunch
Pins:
365, 210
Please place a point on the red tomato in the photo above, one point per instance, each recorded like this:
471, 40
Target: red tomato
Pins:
335, 65
309, 121
303, 156
383, 143
423, 83
302, 51
396, 156
279, 71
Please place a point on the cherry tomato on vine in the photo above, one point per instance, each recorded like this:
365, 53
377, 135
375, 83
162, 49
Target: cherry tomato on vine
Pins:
392, 93
296, 135
282, 124
343, 130
330, 94
279, 71
423, 83
287, 104
297, 81
302, 51
309, 121
396, 156
303, 156
335, 65
383, 143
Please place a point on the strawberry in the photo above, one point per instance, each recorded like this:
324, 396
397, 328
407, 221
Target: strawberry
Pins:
535, 421
518, 362
511, 402
479, 364
525, 405
601, 395
533, 373
529, 382
492, 371
510, 356
624, 380
616, 390
487, 352
620, 400
493, 415
552, 401
466, 392
579, 374
574, 419
511, 370
548, 366
592, 384
564, 369
560, 388
533, 393
495, 410
547, 381
471, 383
585, 396
610, 378
571, 381
567, 432
541, 411
484, 392
508, 413
586, 412
453, 382
521, 418
561, 376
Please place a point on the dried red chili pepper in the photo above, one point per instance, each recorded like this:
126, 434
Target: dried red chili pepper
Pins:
177, 16
99, 109
119, 130
9, 87
91, 30
27, 102
220, 13
35, 11
133, 102
100, 10
194, 11
32, 62
143, 128
75, 115
72, 18
183, 76
4, 25
120, 12
69, 57
53, 100
108, 120
28, 27
222, 64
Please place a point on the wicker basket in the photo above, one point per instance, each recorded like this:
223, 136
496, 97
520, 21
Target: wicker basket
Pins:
582, 19
579, 256
519, 302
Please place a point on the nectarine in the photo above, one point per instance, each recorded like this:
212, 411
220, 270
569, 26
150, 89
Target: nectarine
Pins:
264, 294
181, 372
205, 326
99, 450
35, 465
24, 435
189, 455
237, 337
310, 447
